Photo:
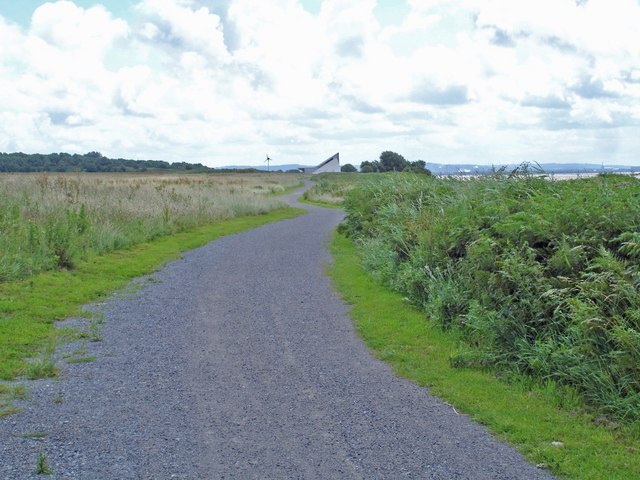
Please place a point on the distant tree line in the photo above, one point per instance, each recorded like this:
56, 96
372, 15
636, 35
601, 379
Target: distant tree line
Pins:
88, 162
394, 162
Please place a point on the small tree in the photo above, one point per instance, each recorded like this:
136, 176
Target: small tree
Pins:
392, 162
419, 166
370, 167
348, 168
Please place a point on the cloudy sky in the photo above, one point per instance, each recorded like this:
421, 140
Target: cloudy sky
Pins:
225, 82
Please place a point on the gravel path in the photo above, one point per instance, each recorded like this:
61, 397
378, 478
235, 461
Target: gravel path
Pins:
239, 361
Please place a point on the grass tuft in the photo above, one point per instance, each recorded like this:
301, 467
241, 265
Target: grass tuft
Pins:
42, 464
85, 359
43, 367
8, 393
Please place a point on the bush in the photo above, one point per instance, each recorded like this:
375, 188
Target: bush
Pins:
540, 277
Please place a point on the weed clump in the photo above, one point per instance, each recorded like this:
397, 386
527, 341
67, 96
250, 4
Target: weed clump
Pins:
540, 277
42, 464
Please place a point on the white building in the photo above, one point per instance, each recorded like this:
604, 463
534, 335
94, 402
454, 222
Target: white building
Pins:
331, 164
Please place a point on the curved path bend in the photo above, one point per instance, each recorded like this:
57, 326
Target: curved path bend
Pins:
240, 361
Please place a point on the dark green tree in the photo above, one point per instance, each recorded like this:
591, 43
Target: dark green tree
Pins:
370, 167
89, 162
392, 162
348, 168
419, 166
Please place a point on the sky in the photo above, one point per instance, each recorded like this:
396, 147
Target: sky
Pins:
227, 82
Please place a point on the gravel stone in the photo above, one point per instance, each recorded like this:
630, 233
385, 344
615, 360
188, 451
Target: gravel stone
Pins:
239, 361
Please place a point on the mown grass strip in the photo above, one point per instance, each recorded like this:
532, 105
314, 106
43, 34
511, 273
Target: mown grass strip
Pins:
29, 308
420, 351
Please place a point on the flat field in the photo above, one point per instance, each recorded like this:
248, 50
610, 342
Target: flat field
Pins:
50, 221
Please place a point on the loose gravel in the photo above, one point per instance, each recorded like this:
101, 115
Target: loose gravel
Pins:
240, 361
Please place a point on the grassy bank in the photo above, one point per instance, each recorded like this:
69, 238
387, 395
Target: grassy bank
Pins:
330, 189
556, 437
538, 278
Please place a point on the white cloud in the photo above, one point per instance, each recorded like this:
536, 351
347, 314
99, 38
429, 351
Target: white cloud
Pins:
66, 26
11, 41
597, 26
479, 80
182, 25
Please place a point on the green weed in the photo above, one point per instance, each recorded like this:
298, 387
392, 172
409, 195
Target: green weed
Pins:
34, 435
8, 393
41, 367
85, 359
538, 277
530, 415
42, 464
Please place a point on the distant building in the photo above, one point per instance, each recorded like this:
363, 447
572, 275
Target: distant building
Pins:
331, 164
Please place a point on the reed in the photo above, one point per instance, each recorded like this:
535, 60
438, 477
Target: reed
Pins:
50, 221
540, 278
330, 189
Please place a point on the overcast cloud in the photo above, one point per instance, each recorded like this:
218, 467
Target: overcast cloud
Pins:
225, 82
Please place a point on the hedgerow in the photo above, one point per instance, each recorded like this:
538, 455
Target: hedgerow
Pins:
540, 277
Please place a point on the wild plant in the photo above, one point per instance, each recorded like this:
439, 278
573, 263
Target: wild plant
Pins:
539, 276
42, 464
50, 221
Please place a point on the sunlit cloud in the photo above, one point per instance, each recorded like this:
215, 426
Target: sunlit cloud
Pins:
223, 82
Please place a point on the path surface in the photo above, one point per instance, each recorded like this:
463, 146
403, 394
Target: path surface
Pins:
239, 361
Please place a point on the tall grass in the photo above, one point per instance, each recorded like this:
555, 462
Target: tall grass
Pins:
50, 221
332, 188
540, 277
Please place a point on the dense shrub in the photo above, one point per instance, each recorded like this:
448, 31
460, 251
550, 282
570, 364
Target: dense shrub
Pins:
540, 277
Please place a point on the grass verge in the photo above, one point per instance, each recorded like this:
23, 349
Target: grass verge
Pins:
565, 442
29, 308
330, 189
320, 204
289, 189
